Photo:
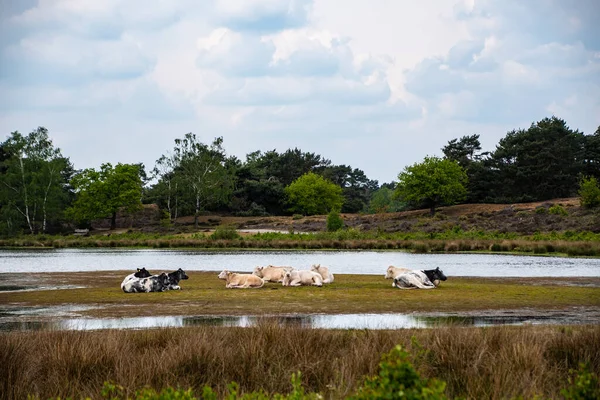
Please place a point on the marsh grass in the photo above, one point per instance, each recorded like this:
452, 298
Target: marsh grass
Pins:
452, 240
494, 363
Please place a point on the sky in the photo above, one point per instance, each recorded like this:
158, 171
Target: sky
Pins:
377, 85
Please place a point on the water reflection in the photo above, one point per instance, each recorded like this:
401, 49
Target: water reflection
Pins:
339, 321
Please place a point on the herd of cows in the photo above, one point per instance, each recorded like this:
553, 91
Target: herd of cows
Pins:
142, 281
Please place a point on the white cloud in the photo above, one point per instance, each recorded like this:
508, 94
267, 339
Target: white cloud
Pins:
376, 85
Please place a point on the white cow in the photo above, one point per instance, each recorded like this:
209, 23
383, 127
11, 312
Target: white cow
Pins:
298, 278
242, 281
271, 273
393, 272
324, 272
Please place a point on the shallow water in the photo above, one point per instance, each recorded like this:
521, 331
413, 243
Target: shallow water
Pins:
345, 262
340, 321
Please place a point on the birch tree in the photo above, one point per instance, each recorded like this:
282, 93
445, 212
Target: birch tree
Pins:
34, 179
202, 169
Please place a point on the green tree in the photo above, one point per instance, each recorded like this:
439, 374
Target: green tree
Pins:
203, 170
433, 182
356, 187
100, 194
464, 150
312, 194
591, 158
34, 180
383, 201
589, 192
539, 163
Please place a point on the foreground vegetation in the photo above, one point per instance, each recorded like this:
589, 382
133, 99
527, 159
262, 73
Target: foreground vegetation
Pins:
494, 363
204, 294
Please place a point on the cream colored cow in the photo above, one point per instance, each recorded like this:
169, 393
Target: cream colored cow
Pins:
393, 272
242, 281
299, 278
324, 272
271, 273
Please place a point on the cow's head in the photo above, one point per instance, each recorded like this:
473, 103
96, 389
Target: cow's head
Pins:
315, 267
176, 276
258, 271
224, 274
142, 273
390, 272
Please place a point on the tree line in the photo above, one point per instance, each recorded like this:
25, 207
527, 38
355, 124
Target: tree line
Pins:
41, 191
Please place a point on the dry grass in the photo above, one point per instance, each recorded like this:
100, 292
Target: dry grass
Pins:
477, 363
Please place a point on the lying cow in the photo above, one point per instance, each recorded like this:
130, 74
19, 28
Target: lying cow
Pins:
271, 273
324, 272
240, 281
299, 278
154, 283
174, 278
425, 279
393, 272
140, 273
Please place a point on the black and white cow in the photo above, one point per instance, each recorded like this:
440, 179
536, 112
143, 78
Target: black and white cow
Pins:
154, 283
415, 279
140, 273
174, 278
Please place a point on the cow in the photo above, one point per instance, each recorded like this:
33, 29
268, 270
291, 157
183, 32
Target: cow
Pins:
392, 272
416, 279
154, 283
140, 273
299, 278
241, 281
271, 273
174, 278
324, 272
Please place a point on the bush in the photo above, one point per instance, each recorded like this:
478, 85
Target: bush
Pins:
334, 221
557, 209
583, 385
225, 232
398, 379
589, 192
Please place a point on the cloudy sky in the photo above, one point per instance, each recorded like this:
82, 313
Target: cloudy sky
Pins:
375, 84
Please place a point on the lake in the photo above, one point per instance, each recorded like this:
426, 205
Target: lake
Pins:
339, 262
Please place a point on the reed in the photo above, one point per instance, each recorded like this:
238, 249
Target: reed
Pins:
452, 240
493, 363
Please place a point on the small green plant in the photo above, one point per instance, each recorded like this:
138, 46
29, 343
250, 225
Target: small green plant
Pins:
334, 221
541, 210
589, 192
297, 216
398, 379
583, 385
225, 233
557, 209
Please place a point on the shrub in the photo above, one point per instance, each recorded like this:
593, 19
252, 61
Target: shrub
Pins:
583, 385
225, 232
334, 221
557, 209
398, 379
541, 210
589, 192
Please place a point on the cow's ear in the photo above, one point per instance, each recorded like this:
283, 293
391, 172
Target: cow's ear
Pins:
139, 270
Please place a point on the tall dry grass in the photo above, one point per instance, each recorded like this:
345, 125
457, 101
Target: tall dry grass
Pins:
499, 362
